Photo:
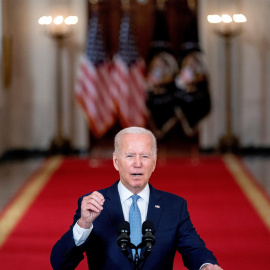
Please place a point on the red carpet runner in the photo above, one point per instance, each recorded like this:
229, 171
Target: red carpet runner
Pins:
220, 211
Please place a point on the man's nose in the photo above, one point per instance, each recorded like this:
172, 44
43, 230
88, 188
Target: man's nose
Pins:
138, 161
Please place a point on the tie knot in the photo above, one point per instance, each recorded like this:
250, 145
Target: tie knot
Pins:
135, 198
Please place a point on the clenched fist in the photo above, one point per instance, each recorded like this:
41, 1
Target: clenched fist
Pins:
91, 207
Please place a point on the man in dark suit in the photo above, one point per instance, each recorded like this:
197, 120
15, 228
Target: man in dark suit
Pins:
95, 229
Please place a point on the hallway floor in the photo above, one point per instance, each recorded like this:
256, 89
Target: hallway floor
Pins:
13, 174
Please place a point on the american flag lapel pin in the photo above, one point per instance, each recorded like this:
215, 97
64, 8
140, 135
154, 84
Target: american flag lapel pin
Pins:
157, 206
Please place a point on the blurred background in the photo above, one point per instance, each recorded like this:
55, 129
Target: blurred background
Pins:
194, 72
200, 83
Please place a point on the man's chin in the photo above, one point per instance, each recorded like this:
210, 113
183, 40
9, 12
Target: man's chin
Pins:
138, 181
138, 184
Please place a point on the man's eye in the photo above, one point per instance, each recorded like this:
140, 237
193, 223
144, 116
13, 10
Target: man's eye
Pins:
145, 156
129, 155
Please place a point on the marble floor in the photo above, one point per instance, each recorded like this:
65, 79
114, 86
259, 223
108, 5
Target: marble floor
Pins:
259, 166
13, 174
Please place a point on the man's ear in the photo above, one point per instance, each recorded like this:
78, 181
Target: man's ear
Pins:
155, 163
115, 162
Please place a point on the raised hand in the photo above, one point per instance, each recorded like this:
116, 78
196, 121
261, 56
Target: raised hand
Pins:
91, 207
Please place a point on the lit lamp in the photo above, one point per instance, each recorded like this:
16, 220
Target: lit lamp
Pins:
59, 28
228, 27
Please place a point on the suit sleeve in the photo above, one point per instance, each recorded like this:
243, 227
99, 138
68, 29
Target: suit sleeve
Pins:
190, 245
65, 254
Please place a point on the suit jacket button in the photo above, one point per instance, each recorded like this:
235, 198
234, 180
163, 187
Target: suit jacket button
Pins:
66, 252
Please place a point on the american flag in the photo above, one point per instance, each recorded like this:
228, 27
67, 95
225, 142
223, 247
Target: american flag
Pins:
94, 82
129, 79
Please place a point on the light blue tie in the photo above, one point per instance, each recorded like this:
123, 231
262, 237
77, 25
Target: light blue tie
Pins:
135, 223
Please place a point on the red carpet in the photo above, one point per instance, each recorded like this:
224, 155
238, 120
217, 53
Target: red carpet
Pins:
220, 211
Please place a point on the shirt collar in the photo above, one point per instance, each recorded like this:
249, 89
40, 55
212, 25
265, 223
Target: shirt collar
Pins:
124, 193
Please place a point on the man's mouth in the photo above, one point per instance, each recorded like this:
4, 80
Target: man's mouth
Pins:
136, 174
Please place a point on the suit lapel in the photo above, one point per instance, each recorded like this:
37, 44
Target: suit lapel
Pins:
113, 206
155, 210
156, 206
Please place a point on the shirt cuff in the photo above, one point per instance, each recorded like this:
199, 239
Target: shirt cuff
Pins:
80, 234
204, 265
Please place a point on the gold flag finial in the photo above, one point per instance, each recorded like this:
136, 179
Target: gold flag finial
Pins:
125, 4
161, 4
93, 2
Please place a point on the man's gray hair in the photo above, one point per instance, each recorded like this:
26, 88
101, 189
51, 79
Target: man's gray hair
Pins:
134, 130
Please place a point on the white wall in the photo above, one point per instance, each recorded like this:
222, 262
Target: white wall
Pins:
27, 107
250, 74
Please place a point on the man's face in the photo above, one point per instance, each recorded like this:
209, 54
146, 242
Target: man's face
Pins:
135, 161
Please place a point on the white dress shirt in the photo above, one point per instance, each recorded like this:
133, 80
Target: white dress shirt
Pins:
126, 200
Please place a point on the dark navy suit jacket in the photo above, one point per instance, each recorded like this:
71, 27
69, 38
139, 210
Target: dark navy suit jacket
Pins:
173, 232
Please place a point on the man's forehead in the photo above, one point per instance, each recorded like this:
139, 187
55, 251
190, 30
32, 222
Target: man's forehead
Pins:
136, 142
138, 138
136, 135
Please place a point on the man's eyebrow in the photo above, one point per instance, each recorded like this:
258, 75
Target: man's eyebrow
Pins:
129, 153
142, 154
134, 153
